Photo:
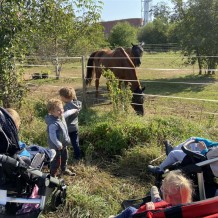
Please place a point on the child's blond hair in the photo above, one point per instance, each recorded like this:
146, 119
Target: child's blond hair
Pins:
15, 116
53, 104
176, 188
68, 93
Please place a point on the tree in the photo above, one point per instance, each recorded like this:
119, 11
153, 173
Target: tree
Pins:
27, 27
154, 32
61, 33
162, 11
159, 31
15, 21
198, 31
122, 34
60, 28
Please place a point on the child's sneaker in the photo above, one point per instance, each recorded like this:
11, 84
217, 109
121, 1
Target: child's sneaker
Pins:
67, 172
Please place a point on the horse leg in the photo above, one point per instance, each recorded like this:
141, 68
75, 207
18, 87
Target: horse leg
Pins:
96, 87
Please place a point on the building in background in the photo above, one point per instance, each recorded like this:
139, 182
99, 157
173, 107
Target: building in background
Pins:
108, 25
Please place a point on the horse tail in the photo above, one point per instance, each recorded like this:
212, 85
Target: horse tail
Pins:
90, 65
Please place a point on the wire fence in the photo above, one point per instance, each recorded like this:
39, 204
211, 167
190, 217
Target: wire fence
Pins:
73, 68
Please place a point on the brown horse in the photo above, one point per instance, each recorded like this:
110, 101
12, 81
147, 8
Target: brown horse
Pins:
123, 68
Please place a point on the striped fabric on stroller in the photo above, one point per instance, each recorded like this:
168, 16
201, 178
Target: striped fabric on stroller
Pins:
24, 188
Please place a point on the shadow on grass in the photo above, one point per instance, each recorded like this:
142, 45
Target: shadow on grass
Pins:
190, 83
91, 98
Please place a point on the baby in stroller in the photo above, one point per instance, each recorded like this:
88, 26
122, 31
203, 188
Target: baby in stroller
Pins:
176, 189
22, 183
27, 153
200, 145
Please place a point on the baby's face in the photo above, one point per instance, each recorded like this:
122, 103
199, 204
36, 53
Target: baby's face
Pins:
58, 111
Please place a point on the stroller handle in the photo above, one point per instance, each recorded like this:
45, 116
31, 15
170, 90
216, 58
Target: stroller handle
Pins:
190, 153
12, 162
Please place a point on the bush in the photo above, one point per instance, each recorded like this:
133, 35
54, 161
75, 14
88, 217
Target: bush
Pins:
33, 127
114, 135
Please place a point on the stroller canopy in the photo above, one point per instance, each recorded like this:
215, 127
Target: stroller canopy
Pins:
8, 134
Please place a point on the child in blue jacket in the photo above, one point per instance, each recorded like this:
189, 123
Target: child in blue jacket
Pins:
58, 138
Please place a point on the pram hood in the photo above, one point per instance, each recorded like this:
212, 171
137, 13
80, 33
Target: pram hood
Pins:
8, 134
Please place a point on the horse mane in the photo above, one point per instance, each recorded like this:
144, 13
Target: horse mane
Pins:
129, 51
123, 51
135, 84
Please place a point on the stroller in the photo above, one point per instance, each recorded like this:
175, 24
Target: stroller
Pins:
203, 170
24, 188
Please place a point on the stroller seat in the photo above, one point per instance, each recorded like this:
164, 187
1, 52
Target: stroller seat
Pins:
200, 209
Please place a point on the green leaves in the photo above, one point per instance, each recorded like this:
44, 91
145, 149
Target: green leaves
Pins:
120, 94
122, 34
45, 28
198, 31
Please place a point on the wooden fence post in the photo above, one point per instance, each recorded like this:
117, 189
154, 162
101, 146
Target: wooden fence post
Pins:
84, 82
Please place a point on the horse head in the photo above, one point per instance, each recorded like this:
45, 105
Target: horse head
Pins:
138, 100
137, 51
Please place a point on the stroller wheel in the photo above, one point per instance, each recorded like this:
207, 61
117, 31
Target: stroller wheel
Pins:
58, 198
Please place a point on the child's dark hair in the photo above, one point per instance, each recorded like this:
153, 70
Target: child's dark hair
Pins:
68, 93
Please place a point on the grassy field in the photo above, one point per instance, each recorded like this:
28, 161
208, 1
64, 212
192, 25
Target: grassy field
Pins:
172, 87
178, 103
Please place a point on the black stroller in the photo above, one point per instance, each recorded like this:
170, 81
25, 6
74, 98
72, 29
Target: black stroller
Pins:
24, 188
203, 170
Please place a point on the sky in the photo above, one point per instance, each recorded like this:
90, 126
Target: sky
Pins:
122, 9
